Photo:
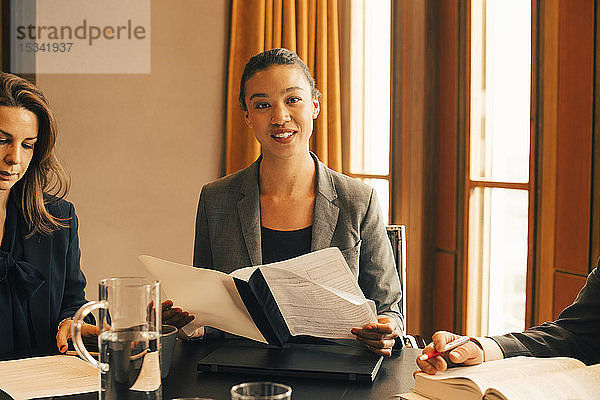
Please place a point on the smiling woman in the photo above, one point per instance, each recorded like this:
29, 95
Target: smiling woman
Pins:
288, 203
41, 283
280, 111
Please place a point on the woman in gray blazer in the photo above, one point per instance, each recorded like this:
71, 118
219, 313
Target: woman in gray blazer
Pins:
288, 203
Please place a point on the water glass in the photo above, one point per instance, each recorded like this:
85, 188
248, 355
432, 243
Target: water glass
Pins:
129, 341
261, 391
168, 338
193, 398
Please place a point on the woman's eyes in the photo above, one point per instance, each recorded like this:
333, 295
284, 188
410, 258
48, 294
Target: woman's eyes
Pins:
28, 146
265, 105
261, 106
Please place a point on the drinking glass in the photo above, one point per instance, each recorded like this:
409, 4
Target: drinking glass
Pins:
129, 340
261, 391
168, 337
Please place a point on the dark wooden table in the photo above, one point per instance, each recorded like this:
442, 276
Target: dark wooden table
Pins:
394, 377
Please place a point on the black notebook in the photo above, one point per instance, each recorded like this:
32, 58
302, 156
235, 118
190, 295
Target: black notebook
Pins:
327, 361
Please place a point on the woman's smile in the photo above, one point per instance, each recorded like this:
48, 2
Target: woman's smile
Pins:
283, 136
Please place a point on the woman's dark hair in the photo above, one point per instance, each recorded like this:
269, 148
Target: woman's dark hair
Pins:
44, 174
269, 58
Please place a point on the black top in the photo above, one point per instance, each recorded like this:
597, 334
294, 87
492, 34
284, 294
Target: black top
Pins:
18, 282
282, 245
41, 282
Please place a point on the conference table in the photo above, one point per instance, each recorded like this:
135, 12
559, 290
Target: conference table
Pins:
394, 377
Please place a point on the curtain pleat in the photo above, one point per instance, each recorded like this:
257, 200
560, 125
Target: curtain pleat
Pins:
320, 140
312, 28
289, 25
241, 147
277, 16
309, 27
334, 120
302, 29
269, 26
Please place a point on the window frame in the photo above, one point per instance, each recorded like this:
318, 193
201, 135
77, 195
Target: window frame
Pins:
472, 184
353, 35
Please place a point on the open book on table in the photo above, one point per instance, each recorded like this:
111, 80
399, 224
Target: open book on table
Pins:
315, 294
512, 379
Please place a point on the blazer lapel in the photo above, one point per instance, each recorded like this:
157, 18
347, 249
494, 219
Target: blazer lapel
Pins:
249, 212
325, 213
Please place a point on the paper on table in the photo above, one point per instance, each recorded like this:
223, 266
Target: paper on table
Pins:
208, 294
47, 377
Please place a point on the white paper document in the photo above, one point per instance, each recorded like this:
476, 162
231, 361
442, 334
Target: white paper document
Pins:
208, 294
316, 293
47, 377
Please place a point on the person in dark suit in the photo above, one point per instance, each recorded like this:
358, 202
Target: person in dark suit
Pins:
41, 283
575, 333
288, 203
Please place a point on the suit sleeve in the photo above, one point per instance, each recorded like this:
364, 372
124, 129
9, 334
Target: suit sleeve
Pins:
202, 250
73, 295
378, 276
576, 332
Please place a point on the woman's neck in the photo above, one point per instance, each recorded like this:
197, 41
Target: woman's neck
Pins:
287, 177
4, 200
3, 204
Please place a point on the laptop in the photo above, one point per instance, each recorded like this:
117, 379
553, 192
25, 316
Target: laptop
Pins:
305, 360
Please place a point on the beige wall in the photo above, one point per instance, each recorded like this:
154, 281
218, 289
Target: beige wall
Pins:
140, 147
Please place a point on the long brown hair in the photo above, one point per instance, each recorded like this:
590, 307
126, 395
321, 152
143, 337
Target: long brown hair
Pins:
45, 180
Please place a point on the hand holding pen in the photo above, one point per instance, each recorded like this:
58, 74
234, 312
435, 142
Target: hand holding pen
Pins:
450, 346
446, 346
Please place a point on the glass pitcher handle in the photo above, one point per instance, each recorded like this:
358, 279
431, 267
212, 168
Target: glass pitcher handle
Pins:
76, 329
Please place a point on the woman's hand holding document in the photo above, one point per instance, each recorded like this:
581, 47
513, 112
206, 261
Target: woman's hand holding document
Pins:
314, 294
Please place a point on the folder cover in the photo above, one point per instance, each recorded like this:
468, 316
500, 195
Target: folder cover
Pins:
326, 361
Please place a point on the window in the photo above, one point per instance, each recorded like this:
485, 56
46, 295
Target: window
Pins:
498, 182
368, 45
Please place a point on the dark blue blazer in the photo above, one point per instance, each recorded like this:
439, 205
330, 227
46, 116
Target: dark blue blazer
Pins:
55, 259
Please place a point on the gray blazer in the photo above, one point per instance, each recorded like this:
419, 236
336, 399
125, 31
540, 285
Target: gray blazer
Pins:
346, 215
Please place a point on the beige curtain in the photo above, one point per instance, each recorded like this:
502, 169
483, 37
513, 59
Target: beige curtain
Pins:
308, 27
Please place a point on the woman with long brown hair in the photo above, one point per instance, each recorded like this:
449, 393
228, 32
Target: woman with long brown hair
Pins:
41, 282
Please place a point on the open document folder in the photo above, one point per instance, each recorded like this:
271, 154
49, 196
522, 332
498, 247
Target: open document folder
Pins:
315, 294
